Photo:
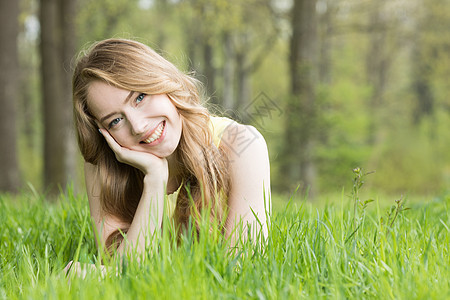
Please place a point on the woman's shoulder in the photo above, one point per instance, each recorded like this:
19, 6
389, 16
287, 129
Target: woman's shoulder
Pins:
218, 126
235, 137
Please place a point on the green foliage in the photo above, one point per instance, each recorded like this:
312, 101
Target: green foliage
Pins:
342, 133
308, 255
407, 157
414, 159
102, 19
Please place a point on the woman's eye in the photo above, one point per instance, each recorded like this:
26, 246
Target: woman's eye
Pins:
114, 122
140, 98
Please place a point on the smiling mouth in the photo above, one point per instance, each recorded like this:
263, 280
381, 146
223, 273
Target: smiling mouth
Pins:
155, 135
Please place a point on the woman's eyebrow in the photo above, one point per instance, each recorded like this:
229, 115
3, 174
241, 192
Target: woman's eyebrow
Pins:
113, 113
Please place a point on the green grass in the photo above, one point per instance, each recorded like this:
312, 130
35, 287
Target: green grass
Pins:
312, 252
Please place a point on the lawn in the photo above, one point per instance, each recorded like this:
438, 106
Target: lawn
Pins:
338, 250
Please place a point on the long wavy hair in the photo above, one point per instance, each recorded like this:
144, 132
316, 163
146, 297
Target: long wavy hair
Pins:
133, 66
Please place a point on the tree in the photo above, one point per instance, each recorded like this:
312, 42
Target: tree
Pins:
378, 61
57, 50
327, 10
226, 42
249, 42
101, 19
9, 175
300, 114
430, 60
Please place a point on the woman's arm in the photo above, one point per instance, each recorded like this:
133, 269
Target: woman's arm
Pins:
249, 200
147, 218
104, 224
149, 212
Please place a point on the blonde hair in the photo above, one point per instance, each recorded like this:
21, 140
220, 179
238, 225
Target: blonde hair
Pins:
133, 66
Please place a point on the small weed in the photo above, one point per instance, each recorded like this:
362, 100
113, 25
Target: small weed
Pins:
359, 206
393, 212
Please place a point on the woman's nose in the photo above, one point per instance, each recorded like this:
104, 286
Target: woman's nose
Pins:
137, 124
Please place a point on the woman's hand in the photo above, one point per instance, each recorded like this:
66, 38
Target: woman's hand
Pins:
76, 269
149, 164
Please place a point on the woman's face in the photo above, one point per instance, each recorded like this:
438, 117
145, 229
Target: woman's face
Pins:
146, 123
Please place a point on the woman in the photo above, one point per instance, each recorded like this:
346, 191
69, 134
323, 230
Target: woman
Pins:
144, 133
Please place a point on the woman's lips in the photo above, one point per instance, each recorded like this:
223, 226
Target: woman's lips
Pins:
157, 135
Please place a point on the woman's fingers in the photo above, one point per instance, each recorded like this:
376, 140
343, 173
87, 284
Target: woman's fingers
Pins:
111, 141
77, 269
68, 267
140, 160
121, 152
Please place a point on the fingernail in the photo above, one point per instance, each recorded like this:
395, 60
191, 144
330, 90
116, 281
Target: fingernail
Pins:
99, 130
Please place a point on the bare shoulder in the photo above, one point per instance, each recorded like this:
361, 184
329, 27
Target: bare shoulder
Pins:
248, 156
249, 196
240, 140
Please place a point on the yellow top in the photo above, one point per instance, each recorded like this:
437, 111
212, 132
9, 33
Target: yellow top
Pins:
217, 126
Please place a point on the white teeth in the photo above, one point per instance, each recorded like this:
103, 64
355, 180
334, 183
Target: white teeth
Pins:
156, 135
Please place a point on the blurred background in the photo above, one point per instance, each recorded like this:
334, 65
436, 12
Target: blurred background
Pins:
331, 84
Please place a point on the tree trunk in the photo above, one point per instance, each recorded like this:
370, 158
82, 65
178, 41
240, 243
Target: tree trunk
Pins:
300, 113
9, 175
422, 66
162, 8
421, 86
68, 10
191, 48
209, 70
243, 86
57, 49
326, 31
377, 63
228, 70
